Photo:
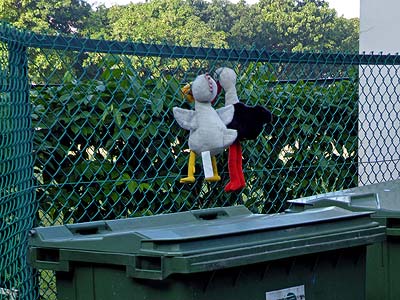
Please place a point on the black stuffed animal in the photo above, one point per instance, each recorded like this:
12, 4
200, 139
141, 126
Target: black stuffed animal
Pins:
249, 122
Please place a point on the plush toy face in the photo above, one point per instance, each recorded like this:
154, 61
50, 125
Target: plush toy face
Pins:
204, 88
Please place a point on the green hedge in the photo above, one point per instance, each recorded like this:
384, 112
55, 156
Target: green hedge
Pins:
109, 147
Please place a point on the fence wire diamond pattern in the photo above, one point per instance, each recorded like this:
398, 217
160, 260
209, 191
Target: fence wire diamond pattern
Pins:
87, 133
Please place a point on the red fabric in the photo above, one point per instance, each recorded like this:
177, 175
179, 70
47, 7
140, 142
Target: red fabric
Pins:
237, 181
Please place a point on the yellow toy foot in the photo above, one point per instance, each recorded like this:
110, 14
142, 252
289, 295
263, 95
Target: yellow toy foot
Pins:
189, 179
214, 178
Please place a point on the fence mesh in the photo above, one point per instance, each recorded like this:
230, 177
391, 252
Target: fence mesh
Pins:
17, 205
88, 133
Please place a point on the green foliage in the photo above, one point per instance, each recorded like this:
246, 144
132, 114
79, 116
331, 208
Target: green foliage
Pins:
105, 146
48, 16
311, 147
290, 25
63, 16
109, 147
345, 33
171, 22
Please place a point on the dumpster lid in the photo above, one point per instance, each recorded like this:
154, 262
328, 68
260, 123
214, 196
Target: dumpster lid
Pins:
381, 198
201, 224
243, 225
201, 240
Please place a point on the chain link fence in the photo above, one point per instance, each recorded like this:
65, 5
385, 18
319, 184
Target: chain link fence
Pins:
87, 133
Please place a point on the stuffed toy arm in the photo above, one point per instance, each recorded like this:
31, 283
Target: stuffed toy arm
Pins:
186, 118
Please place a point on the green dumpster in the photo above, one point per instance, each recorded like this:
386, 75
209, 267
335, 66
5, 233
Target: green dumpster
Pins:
210, 254
383, 259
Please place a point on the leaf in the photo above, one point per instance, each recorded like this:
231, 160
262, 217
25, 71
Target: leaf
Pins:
102, 105
118, 118
71, 105
64, 98
157, 105
68, 77
87, 130
75, 129
144, 186
105, 114
132, 186
126, 176
114, 196
126, 134
152, 129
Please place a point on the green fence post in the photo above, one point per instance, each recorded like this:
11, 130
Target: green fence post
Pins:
17, 197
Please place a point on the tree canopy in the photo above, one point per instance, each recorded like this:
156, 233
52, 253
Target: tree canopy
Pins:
62, 16
289, 25
171, 21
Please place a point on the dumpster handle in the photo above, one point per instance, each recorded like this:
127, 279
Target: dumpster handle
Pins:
210, 215
149, 267
88, 228
48, 258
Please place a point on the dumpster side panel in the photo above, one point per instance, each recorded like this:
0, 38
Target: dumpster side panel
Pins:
377, 271
76, 285
393, 250
326, 275
90, 281
383, 259
383, 265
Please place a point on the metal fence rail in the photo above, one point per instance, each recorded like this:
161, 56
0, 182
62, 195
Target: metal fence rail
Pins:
88, 133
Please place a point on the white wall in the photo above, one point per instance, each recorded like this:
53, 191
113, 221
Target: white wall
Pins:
379, 26
379, 90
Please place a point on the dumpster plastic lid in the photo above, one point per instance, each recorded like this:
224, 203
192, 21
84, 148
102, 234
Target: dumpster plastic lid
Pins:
381, 198
242, 225
200, 240
193, 225
131, 235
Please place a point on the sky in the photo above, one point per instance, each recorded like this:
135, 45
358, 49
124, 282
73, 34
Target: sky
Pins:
346, 8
